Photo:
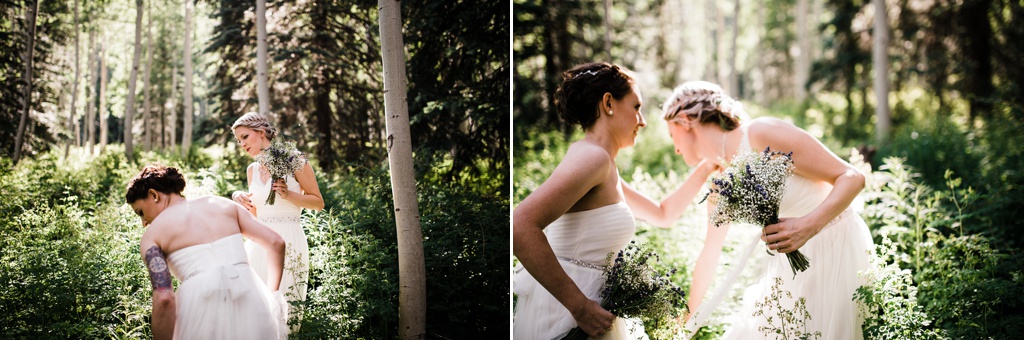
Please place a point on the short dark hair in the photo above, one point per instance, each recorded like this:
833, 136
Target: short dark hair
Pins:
161, 178
582, 88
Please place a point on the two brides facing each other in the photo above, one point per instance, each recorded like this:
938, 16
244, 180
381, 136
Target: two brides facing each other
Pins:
564, 230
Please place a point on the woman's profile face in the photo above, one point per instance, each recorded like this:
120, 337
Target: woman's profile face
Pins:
628, 117
147, 208
250, 140
684, 141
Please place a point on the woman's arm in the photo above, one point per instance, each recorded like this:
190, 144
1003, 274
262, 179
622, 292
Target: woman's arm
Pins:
309, 197
164, 307
245, 198
813, 160
268, 239
583, 168
666, 212
707, 261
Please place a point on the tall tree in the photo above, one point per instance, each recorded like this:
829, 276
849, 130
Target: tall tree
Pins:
26, 99
880, 59
92, 89
102, 112
802, 69
147, 113
412, 273
74, 90
129, 106
734, 73
263, 90
172, 106
186, 133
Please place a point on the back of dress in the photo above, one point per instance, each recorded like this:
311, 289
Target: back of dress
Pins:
219, 296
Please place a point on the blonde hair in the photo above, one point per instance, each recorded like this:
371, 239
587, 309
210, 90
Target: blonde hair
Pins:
256, 122
704, 102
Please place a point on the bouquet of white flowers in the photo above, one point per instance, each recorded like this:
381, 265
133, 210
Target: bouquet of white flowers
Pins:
750, 190
281, 159
634, 288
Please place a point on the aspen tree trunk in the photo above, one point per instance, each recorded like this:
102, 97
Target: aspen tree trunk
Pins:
802, 71
412, 302
103, 99
880, 57
26, 98
129, 106
74, 89
147, 113
734, 74
91, 95
186, 133
172, 106
262, 89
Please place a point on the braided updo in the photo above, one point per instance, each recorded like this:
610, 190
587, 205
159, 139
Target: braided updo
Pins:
256, 122
582, 88
704, 102
161, 178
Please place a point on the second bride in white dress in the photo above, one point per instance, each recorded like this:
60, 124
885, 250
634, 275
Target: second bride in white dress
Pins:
300, 190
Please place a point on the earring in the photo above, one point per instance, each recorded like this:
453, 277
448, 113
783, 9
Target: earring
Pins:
611, 113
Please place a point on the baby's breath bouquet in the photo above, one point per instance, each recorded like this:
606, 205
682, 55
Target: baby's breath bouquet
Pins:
634, 288
749, 191
281, 159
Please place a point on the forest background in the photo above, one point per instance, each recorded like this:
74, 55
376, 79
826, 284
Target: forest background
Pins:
69, 264
925, 96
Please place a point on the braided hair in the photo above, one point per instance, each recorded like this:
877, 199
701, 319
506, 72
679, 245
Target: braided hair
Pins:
256, 122
704, 102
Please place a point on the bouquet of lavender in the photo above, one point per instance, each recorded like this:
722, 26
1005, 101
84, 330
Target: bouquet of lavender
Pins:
634, 288
749, 191
281, 159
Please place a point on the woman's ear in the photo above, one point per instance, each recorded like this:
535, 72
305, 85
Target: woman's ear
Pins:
606, 101
154, 195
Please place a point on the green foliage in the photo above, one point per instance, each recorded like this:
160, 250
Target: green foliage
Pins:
889, 301
971, 289
71, 267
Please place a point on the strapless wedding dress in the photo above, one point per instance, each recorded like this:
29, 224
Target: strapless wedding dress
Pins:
835, 254
284, 218
581, 241
219, 296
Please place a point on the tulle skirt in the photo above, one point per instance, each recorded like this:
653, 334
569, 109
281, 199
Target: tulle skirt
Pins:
538, 315
228, 302
836, 255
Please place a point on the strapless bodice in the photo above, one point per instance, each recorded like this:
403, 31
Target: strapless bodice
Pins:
590, 235
188, 262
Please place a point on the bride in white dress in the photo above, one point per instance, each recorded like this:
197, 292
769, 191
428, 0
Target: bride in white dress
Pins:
565, 229
815, 218
200, 242
295, 192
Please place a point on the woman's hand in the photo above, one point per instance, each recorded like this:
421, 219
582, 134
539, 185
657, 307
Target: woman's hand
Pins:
243, 198
789, 234
281, 188
593, 319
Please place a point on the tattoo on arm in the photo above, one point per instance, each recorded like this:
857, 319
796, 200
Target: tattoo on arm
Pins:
159, 274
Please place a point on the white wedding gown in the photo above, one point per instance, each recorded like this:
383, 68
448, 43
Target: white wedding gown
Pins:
835, 254
581, 241
219, 296
284, 218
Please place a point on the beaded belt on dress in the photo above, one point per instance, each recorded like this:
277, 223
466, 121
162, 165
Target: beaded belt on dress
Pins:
279, 219
581, 263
